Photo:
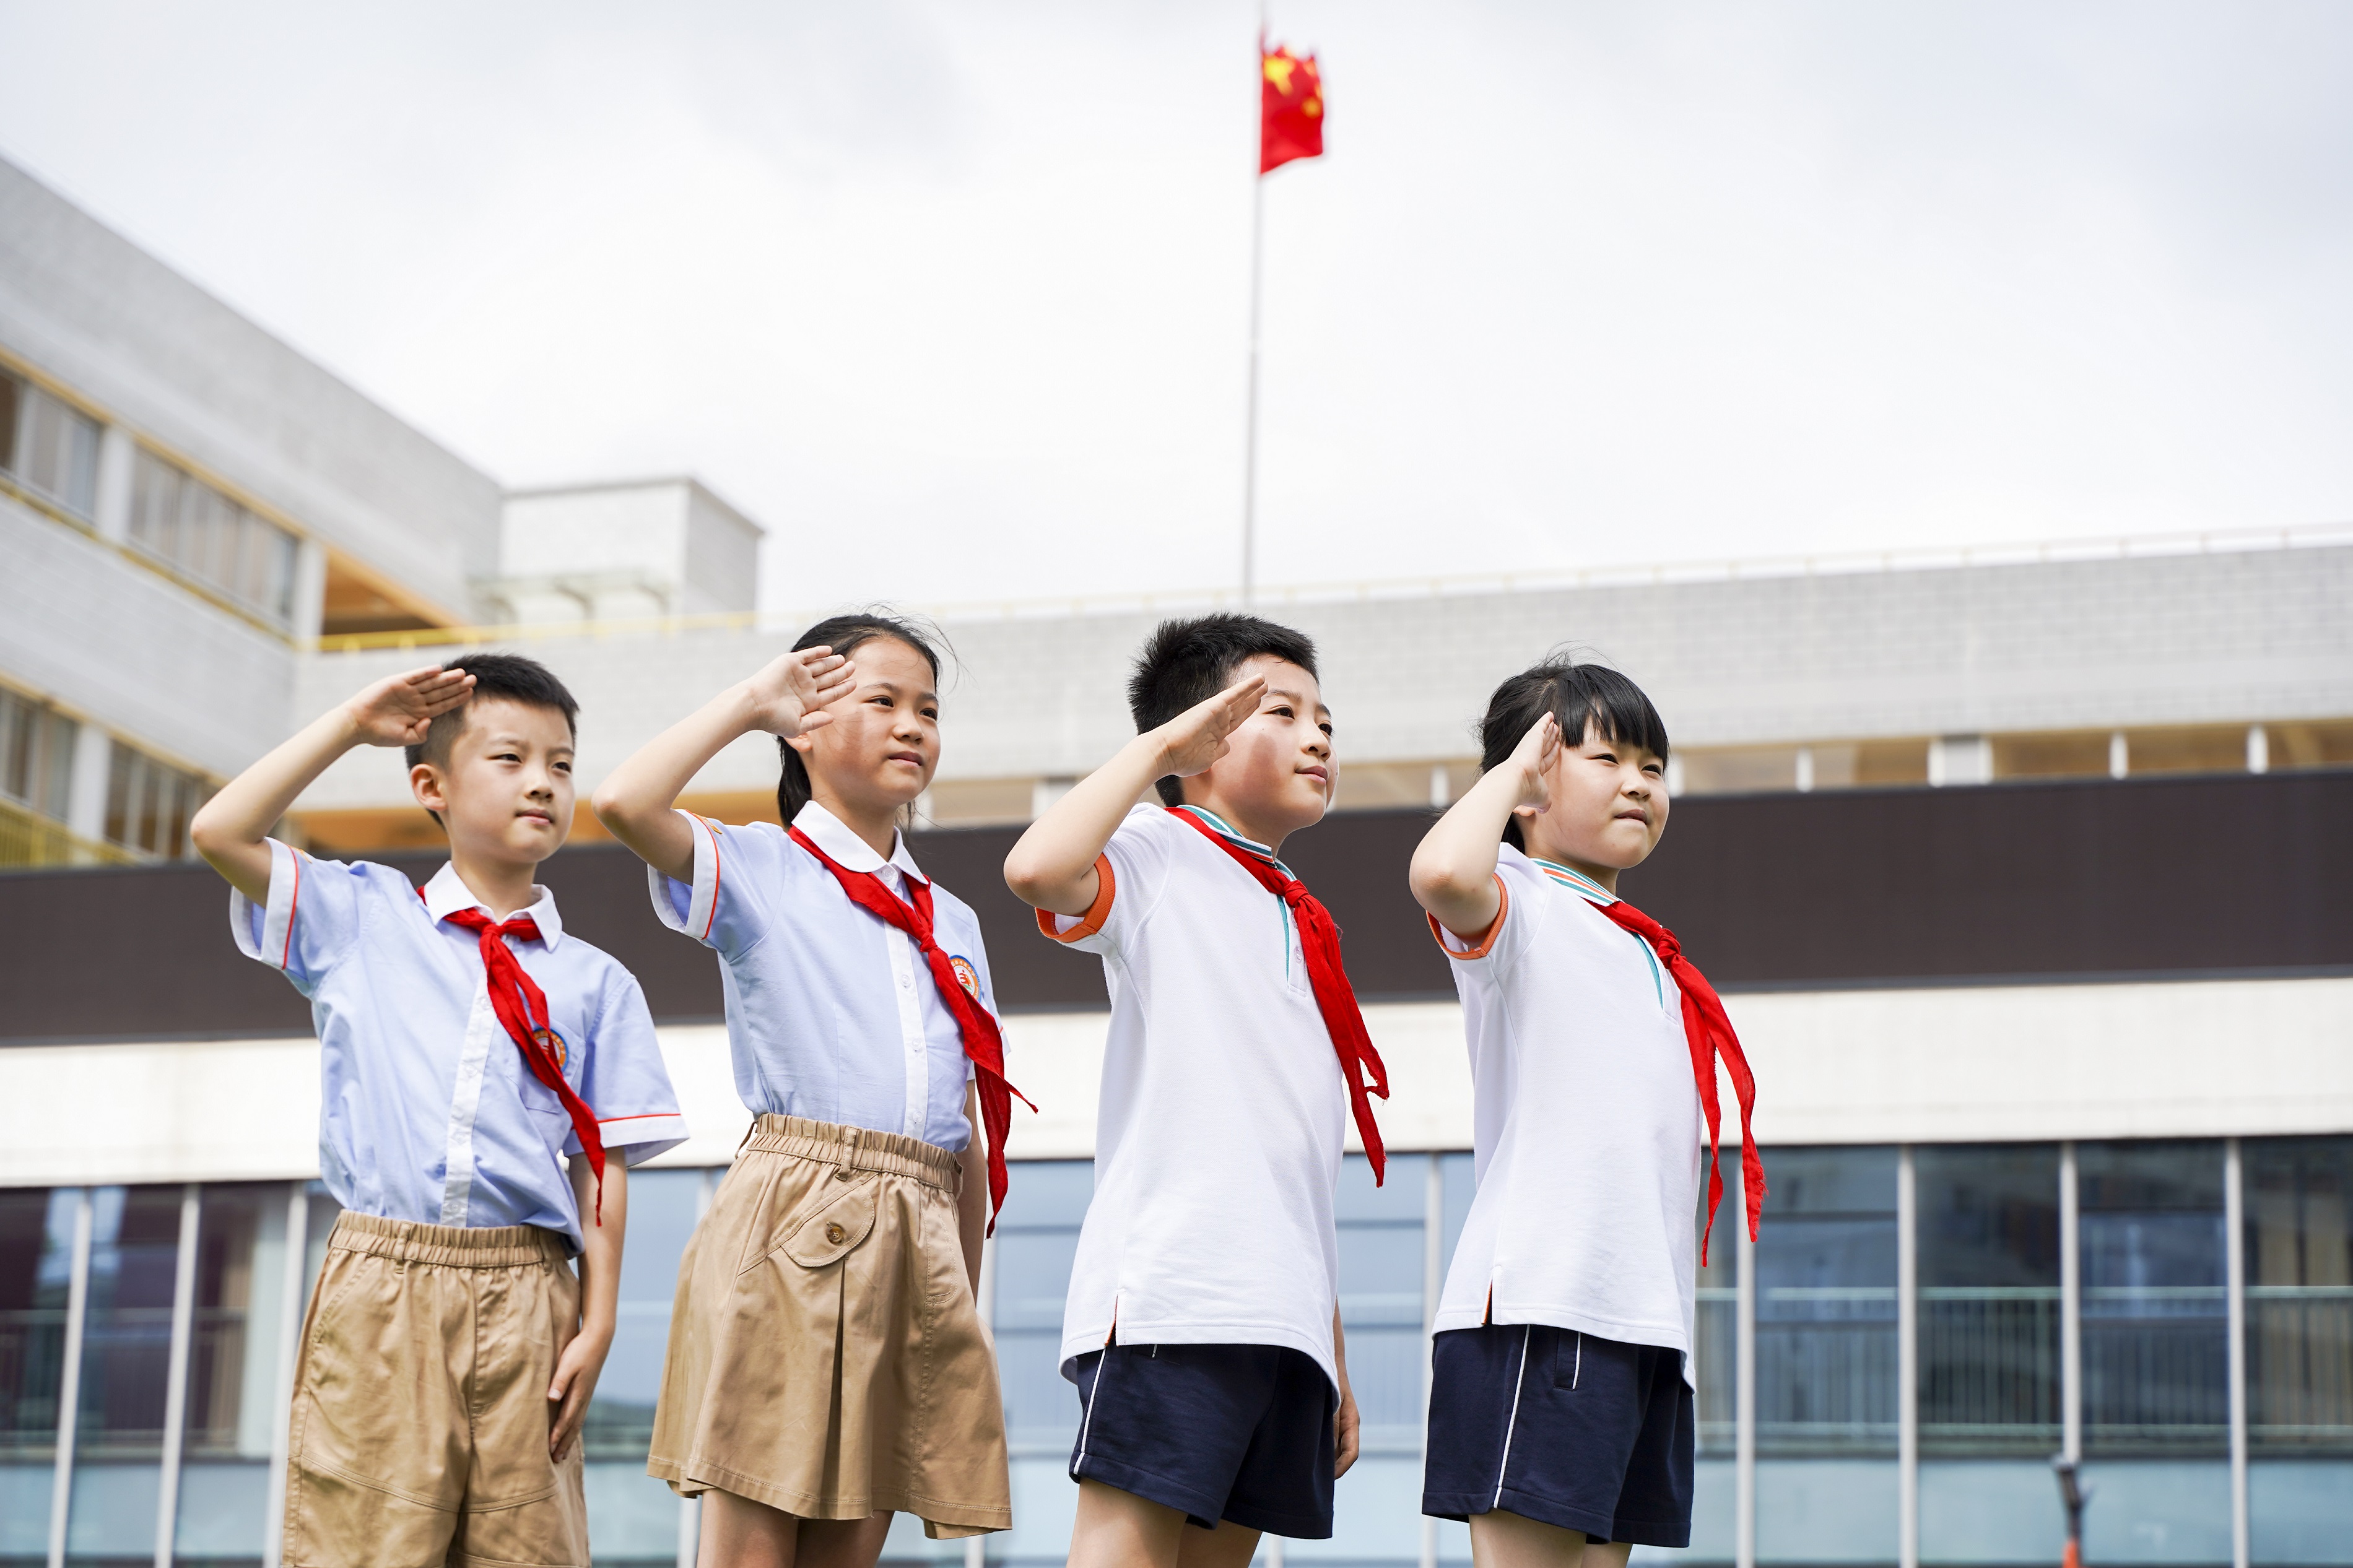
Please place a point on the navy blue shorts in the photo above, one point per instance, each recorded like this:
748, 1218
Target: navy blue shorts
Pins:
1561, 1427
1223, 1432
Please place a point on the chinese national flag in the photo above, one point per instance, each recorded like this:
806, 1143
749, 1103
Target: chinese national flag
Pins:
1290, 109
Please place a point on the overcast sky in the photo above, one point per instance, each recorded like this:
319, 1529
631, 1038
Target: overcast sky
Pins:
953, 295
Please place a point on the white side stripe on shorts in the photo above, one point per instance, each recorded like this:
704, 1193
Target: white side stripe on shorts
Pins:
1513, 1425
1577, 1368
1087, 1422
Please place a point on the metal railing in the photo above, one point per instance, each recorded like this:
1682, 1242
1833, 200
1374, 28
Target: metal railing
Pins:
29, 838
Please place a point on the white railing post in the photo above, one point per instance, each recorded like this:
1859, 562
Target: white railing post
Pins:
1433, 1265
290, 1344
2071, 1310
1743, 1427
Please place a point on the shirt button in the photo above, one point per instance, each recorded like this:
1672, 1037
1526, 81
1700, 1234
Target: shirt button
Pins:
906, 983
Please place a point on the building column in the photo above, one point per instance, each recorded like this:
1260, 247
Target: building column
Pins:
1744, 1401
1907, 1360
2071, 1310
93, 760
69, 1377
110, 509
310, 588
2234, 1256
175, 1386
290, 1342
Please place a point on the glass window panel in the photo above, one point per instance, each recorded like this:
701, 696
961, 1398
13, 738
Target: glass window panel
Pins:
237, 1335
633, 1517
183, 521
126, 1353
36, 1269
1381, 1262
2155, 1311
2299, 1262
1988, 1308
12, 398
1826, 1303
1036, 1237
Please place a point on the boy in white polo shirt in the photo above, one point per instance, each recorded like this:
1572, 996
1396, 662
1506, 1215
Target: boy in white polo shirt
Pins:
1202, 1327
1560, 1405
450, 1351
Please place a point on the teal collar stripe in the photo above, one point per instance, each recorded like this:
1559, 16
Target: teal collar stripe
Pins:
1576, 882
1226, 833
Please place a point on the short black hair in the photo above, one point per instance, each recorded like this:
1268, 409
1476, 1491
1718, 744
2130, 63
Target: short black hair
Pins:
1185, 663
1580, 696
845, 635
507, 675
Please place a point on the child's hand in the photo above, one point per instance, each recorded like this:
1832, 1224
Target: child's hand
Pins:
575, 1381
788, 698
1196, 738
1535, 757
399, 710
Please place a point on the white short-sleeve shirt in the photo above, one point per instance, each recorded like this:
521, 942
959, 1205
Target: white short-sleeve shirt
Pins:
832, 1012
429, 1113
1586, 1123
1223, 1112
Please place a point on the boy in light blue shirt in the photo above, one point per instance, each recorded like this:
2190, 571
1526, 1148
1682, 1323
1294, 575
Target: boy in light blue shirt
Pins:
486, 1081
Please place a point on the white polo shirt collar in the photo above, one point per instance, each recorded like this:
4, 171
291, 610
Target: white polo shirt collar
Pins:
849, 851
447, 893
1576, 882
1226, 830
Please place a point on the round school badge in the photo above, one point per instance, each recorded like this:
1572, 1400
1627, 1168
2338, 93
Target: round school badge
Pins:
966, 975
553, 1044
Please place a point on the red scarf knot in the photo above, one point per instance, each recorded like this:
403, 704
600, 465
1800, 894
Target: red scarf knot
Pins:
1707, 1028
983, 1043
1319, 941
522, 1007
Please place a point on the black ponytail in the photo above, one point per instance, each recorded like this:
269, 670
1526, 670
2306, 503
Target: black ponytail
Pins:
844, 634
1577, 695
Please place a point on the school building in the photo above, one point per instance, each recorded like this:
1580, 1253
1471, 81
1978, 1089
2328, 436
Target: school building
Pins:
2023, 873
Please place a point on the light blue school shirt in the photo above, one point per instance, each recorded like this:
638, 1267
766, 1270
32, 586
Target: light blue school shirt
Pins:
428, 1112
831, 1010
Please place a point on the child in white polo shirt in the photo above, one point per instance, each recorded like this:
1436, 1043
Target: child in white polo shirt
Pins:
1202, 1327
1560, 1405
470, 1050
827, 1366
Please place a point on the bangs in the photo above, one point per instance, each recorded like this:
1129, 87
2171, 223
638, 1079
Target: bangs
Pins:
1617, 711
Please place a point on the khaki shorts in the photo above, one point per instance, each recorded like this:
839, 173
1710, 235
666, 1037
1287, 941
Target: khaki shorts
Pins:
825, 1356
420, 1406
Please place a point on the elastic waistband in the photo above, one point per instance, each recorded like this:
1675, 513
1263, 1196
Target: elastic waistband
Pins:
451, 1245
859, 1148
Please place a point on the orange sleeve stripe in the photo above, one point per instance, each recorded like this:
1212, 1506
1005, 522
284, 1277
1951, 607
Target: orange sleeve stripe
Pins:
1097, 913
1486, 938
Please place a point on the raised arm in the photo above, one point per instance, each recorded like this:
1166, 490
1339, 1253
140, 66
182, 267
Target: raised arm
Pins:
1453, 870
637, 801
232, 829
1053, 866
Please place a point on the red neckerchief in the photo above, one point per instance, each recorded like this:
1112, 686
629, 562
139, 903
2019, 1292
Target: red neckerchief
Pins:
1708, 1030
517, 999
982, 1040
1319, 939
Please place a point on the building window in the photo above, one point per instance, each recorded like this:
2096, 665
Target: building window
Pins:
48, 446
2156, 1310
36, 1227
1989, 1306
37, 746
148, 804
179, 519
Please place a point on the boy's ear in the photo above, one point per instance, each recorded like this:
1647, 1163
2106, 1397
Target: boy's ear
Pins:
425, 784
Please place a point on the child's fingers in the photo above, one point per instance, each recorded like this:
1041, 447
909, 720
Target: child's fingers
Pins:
816, 721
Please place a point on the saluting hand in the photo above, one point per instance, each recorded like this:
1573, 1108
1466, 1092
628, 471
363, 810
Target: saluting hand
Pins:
399, 710
1196, 738
1535, 757
788, 698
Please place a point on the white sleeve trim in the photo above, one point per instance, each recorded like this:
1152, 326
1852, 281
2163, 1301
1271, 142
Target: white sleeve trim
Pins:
703, 896
643, 1137
275, 946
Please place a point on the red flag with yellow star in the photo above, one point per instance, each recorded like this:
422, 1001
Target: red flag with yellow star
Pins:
1291, 108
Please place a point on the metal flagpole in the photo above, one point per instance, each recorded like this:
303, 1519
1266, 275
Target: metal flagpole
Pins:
1249, 443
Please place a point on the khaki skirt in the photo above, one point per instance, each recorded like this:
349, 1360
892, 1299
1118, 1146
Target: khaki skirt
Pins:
825, 1355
